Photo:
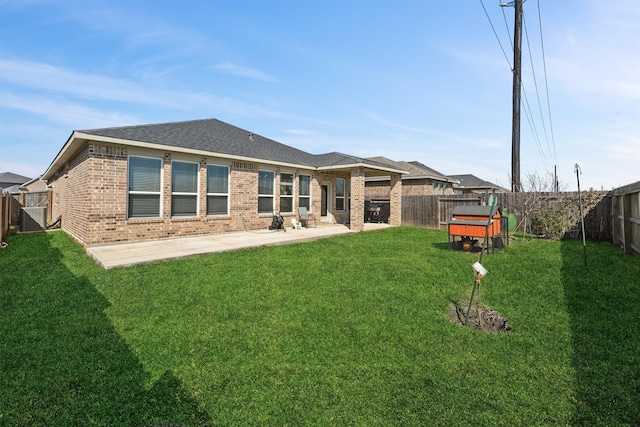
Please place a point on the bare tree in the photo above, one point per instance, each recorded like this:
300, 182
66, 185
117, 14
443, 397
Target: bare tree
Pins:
530, 200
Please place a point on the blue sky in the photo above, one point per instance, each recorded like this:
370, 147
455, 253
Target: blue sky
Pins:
406, 79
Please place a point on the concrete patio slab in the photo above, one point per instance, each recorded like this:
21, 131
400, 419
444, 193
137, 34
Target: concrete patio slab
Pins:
128, 254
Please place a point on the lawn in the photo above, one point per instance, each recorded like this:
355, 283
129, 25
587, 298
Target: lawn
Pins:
350, 330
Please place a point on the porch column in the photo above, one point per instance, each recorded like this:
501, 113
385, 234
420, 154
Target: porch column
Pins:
356, 215
395, 215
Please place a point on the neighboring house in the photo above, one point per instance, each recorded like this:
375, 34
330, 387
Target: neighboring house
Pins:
34, 185
420, 180
200, 177
8, 179
468, 184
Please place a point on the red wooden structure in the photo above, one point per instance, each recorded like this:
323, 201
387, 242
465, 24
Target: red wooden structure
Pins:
472, 222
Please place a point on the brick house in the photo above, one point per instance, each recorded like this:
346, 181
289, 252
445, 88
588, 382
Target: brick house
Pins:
201, 177
471, 184
420, 180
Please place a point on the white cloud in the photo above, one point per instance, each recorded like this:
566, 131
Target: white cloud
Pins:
441, 137
86, 88
242, 71
68, 113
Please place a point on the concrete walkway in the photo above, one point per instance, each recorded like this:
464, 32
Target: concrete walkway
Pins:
128, 254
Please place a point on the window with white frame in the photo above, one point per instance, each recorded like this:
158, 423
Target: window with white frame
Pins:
304, 192
184, 189
340, 194
265, 191
217, 190
144, 187
286, 192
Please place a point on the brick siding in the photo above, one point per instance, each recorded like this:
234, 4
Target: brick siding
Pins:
91, 195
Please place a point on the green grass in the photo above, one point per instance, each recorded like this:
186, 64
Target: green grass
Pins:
351, 330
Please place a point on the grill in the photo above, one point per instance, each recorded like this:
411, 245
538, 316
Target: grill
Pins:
377, 210
374, 214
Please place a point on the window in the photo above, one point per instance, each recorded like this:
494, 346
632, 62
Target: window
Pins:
286, 192
217, 190
144, 185
304, 196
265, 191
339, 194
184, 189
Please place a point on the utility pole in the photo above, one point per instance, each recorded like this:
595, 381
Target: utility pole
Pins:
516, 186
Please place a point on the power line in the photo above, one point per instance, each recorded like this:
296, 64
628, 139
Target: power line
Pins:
534, 130
545, 155
535, 82
506, 24
496, 34
546, 84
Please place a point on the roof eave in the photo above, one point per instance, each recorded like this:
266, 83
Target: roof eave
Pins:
362, 165
64, 155
77, 139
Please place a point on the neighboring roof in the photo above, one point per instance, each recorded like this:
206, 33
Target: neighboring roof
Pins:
416, 170
210, 137
433, 171
8, 179
472, 182
13, 189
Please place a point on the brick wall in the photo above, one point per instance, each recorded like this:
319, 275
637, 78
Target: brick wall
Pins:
71, 196
357, 199
410, 187
91, 195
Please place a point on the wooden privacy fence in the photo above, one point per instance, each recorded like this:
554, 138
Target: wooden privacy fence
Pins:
5, 217
624, 204
9, 213
612, 217
433, 211
30, 210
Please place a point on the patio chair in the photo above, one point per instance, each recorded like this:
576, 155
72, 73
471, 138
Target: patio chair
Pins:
295, 224
306, 216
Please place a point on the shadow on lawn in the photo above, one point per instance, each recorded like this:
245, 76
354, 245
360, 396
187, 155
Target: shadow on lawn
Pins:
603, 301
63, 363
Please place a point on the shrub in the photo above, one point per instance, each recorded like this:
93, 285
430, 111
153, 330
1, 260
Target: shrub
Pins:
549, 223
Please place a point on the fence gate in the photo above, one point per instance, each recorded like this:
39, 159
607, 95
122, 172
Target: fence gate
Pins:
36, 199
33, 214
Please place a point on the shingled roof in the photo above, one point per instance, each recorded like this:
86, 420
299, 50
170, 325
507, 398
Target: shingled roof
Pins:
210, 135
472, 182
7, 179
215, 138
416, 170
